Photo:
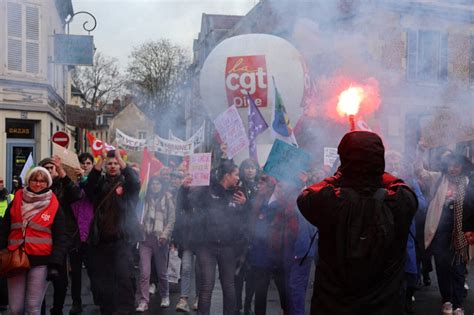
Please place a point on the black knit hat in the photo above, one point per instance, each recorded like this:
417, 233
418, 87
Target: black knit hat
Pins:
45, 161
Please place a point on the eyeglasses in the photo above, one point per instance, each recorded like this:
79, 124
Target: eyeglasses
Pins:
39, 181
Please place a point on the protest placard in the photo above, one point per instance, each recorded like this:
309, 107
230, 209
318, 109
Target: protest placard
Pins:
200, 169
231, 130
69, 160
330, 156
286, 162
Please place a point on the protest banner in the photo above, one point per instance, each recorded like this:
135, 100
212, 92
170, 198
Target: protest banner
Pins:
129, 143
198, 138
231, 130
286, 162
200, 169
69, 160
330, 156
172, 147
172, 137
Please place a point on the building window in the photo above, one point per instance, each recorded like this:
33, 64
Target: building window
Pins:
23, 43
427, 56
142, 135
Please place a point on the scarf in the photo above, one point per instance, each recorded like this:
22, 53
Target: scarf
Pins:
435, 208
33, 203
460, 245
155, 217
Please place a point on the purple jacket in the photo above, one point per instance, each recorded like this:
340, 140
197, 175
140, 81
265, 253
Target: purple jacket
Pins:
83, 210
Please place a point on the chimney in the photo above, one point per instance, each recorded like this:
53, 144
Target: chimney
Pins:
116, 106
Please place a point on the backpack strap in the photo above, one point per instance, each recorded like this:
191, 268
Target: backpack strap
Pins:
309, 248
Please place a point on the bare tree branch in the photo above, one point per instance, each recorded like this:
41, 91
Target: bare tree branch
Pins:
101, 82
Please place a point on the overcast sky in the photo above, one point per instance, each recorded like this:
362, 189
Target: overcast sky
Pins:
123, 24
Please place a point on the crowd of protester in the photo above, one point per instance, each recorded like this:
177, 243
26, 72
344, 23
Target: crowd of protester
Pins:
246, 225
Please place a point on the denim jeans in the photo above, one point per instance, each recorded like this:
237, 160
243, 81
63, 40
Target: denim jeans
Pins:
451, 274
186, 273
26, 291
262, 276
151, 247
298, 277
210, 255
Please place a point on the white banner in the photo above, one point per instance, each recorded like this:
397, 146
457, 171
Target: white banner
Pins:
171, 147
197, 138
172, 137
129, 143
231, 129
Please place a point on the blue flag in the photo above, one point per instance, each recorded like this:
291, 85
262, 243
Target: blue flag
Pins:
281, 127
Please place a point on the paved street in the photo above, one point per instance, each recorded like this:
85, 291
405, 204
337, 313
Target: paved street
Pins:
428, 301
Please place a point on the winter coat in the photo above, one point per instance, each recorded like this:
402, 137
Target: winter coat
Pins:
262, 222
218, 219
468, 214
60, 240
185, 220
160, 216
115, 199
362, 167
413, 241
83, 211
67, 193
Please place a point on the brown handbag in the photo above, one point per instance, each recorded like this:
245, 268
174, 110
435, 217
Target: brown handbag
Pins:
13, 262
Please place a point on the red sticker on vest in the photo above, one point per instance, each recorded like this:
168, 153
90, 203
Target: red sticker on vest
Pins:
119, 190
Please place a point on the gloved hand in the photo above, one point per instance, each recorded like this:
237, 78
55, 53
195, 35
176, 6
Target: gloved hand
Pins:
53, 274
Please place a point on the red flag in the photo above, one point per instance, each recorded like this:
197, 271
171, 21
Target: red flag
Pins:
98, 146
151, 163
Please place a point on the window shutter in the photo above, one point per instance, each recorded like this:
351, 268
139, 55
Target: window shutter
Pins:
15, 34
412, 48
32, 40
443, 57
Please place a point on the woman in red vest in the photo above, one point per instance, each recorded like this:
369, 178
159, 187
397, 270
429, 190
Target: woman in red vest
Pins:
35, 221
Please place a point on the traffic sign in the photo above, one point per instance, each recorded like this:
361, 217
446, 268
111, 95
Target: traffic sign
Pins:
60, 138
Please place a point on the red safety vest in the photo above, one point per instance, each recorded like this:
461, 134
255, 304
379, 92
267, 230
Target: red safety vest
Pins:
38, 235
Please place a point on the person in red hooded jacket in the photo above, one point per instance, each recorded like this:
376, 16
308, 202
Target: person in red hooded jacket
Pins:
324, 205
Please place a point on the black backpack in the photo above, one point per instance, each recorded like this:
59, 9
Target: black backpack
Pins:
365, 234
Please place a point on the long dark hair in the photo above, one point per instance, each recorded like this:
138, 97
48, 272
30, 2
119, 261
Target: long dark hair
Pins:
225, 167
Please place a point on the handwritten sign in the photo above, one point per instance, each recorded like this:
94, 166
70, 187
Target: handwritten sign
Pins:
286, 162
172, 147
69, 160
200, 169
330, 156
231, 129
129, 143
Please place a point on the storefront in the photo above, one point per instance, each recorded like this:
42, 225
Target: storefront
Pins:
21, 142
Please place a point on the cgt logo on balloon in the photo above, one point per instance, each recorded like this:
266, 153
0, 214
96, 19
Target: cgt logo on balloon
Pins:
246, 74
